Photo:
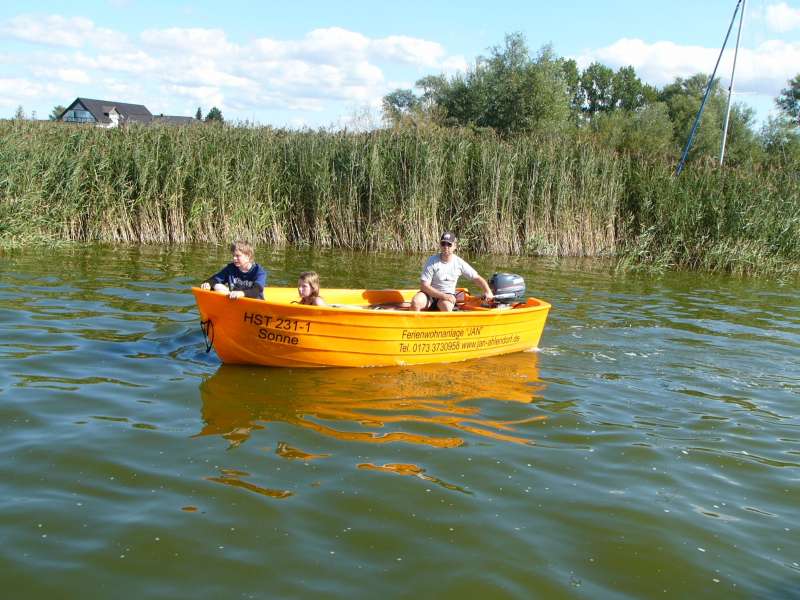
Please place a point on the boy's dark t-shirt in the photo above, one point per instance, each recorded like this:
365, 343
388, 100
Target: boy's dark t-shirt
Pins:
251, 283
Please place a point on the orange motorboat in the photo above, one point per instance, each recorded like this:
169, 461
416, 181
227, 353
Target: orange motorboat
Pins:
362, 328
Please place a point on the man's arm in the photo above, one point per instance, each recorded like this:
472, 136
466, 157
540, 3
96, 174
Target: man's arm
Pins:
487, 291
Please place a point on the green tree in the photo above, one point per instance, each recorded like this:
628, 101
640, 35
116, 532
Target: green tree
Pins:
19, 114
789, 100
520, 94
743, 145
609, 128
629, 92
214, 116
462, 102
403, 106
433, 87
57, 111
597, 93
780, 138
551, 94
683, 98
507, 91
199, 114
507, 73
603, 90
648, 131
572, 79
399, 104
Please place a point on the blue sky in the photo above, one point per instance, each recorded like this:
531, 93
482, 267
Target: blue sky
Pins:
321, 64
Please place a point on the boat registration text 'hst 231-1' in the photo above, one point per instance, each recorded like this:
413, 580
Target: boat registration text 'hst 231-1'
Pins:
280, 323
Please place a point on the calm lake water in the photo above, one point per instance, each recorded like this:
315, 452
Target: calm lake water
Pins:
650, 449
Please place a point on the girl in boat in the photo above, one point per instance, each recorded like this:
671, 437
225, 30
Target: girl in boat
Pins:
308, 288
241, 277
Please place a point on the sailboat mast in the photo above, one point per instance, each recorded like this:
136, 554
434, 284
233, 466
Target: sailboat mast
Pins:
688, 145
730, 89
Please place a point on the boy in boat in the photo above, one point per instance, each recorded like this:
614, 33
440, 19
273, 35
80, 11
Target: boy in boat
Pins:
440, 276
242, 277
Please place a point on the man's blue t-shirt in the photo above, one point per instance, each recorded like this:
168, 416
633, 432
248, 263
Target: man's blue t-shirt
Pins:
251, 283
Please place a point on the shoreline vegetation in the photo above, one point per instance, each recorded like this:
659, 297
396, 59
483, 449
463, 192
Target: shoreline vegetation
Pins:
562, 193
521, 155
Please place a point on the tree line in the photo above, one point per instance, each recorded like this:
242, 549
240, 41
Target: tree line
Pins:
510, 92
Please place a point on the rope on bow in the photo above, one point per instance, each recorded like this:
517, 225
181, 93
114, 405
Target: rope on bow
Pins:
207, 328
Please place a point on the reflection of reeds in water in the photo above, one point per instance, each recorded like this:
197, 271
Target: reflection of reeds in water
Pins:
286, 451
233, 478
412, 470
374, 405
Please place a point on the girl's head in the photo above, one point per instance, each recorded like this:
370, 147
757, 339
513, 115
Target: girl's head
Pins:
308, 284
243, 254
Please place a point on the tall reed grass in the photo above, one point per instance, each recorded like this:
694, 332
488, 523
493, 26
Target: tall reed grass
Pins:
388, 190
727, 220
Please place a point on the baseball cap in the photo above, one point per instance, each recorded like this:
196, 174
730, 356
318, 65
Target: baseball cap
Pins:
448, 237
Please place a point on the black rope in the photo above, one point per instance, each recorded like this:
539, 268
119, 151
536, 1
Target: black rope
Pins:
207, 327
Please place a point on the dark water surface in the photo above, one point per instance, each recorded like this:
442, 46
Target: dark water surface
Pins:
651, 449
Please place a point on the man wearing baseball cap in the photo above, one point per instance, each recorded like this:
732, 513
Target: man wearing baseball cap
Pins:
440, 276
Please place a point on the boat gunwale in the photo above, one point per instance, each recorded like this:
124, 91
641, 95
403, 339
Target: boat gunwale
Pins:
366, 310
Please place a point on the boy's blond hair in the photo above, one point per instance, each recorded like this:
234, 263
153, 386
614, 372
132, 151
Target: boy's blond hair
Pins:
244, 247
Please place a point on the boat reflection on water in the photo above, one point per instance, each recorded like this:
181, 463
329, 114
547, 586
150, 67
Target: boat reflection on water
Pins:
442, 405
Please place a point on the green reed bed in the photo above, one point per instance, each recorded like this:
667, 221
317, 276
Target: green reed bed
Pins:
727, 220
389, 190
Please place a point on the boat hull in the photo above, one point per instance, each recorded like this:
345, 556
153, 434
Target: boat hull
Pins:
360, 328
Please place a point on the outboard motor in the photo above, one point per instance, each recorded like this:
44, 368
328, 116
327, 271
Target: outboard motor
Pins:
507, 288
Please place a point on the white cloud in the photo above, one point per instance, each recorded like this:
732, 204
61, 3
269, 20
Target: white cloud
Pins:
454, 64
73, 75
782, 18
204, 73
135, 62
15, 91
409, 50
55, 30
367, 73
189, 42
763, 70
331, 45
21, 86
267, 48
122, 89
325, 70
658, 63
338, 46
52, 30
205, 95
